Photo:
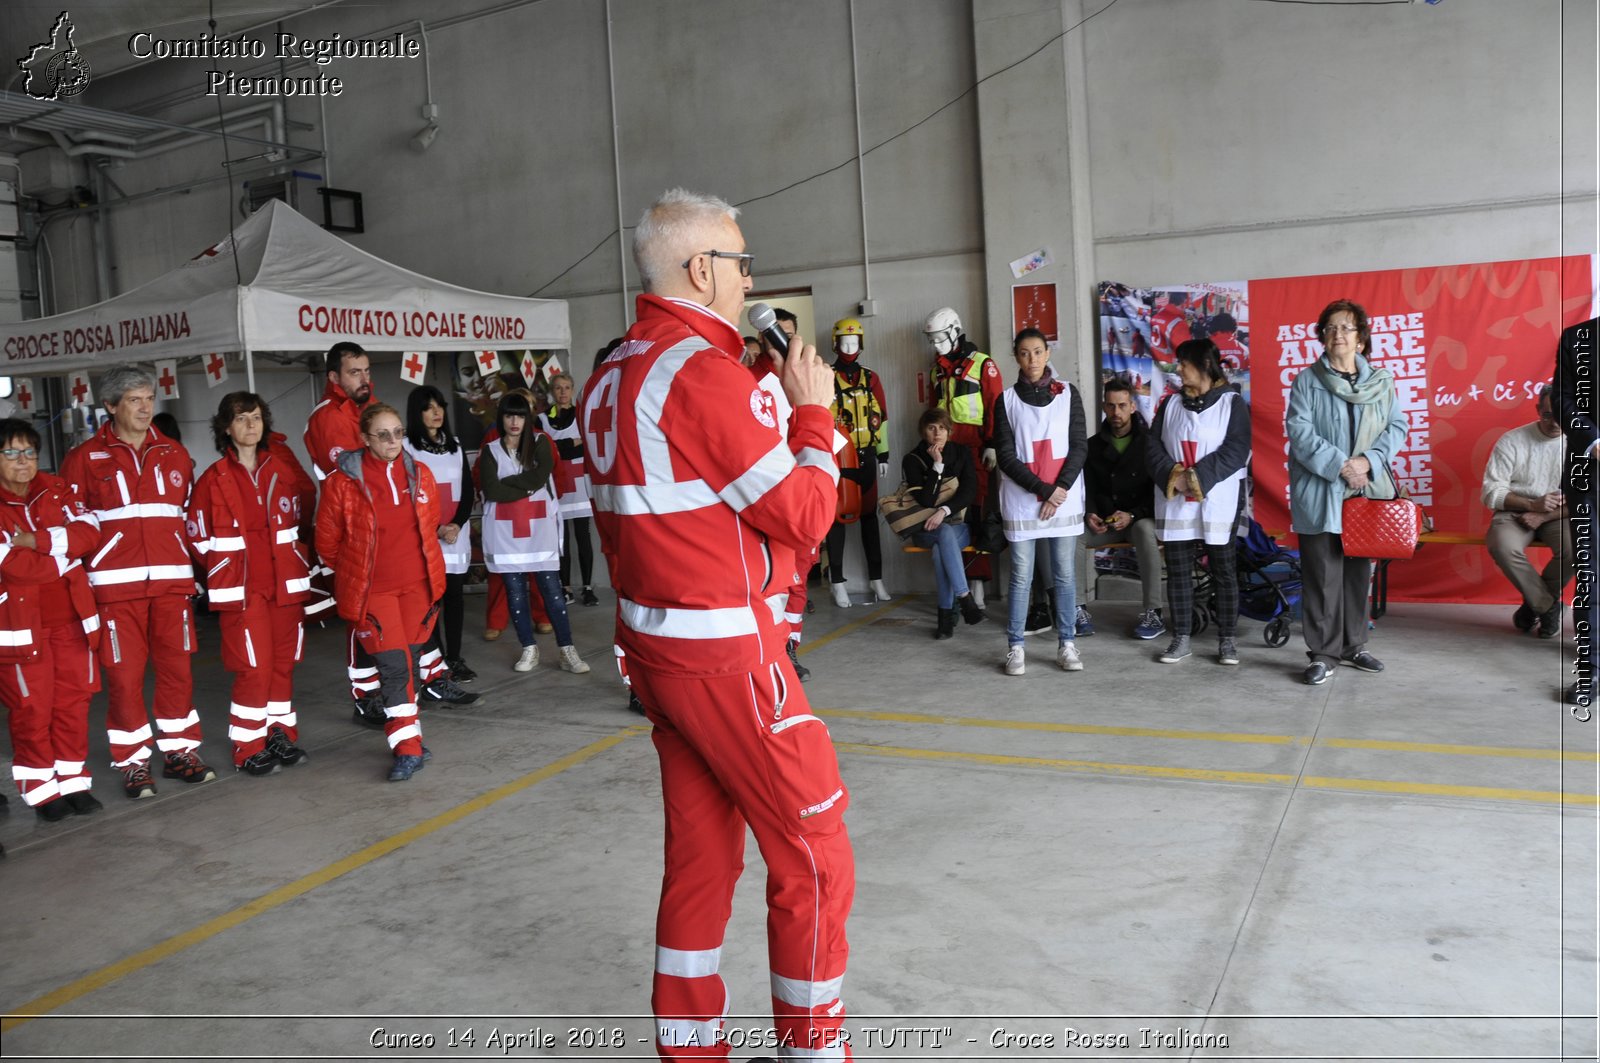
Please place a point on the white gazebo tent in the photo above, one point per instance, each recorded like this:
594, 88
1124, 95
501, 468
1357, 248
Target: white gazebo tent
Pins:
280, 283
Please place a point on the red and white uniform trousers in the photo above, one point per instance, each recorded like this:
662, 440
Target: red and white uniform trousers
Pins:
156, 631
48, 700
261, 644
735, 750
397, 631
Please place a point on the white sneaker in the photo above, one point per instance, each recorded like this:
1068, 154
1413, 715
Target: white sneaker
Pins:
976, 587
529, 659
1067, 657
880, 592
841, 597
1014, 665
571, 662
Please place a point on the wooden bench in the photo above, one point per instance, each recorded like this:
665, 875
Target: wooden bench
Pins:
1380, 573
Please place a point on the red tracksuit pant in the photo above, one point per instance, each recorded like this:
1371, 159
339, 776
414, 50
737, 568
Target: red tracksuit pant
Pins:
261, 644
160, 632
397, 631
794, 610
48, 699
735, 750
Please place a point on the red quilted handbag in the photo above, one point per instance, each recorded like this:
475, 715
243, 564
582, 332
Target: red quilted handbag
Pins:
1381, 528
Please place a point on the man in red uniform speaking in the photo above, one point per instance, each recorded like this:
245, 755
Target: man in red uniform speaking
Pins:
694, 486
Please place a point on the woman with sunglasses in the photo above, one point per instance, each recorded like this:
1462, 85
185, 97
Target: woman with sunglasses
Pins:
379, 503
49, 629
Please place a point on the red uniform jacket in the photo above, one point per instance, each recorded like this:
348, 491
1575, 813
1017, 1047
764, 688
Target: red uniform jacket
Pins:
693, 484
217, 537
347, 531
137, 498
333, 427
65, 535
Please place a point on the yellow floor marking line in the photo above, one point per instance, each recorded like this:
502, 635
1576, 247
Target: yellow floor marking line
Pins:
1515, 752
283, 894
1059, 728
1550, 797
854, 625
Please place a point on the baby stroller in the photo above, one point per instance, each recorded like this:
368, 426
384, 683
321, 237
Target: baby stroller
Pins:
1269, 585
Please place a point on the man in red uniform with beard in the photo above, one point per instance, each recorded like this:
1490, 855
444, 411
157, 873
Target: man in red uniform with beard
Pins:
696, 492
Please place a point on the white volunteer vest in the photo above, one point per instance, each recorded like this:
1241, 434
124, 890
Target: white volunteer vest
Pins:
1041, 435
570, 477
1177, 518
446, 469
525, 535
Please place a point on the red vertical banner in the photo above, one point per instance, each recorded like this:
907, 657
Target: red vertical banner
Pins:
1469, 346
1034, 306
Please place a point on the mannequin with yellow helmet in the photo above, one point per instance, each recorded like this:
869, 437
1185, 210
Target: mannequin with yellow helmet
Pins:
860, 412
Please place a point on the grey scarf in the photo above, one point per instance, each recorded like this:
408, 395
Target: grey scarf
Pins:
1374, 401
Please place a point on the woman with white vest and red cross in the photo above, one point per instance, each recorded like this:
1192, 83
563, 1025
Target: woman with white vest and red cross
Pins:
560, 423
49, 629
1040, 448
244, 529
522, 527
1197, 454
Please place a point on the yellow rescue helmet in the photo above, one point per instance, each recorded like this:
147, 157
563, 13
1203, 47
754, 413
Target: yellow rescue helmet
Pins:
848, 326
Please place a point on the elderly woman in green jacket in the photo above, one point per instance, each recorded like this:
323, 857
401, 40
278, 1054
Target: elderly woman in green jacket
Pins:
1345, 427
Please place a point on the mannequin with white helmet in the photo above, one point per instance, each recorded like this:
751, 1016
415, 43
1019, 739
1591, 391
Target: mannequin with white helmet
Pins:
860, 412
967, 383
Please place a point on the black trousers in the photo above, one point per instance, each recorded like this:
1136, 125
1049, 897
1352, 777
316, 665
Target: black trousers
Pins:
578, 528
1334, 599
1182, 555
447, 632
870, 545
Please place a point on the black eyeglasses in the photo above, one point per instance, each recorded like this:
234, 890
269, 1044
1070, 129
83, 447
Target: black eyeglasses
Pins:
20, 454
745, 260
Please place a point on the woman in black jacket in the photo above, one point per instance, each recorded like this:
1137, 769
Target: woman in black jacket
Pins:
926, 469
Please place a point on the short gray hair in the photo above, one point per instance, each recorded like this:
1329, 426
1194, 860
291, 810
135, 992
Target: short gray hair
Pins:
662, 239
121, 379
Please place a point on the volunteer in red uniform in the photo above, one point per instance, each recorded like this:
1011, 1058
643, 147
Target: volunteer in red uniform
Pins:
967, 384
136, 482
48, 629
333, 428
560, 423
244, 529
690, 508
380, 503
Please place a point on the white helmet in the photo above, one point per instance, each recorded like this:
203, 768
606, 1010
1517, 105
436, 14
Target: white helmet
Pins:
943, 330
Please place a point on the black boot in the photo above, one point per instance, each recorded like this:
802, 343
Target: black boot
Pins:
970, 612
947, 624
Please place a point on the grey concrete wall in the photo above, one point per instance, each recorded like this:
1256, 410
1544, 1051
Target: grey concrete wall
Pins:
1160, 141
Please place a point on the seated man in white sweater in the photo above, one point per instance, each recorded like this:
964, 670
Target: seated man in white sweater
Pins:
1522, 484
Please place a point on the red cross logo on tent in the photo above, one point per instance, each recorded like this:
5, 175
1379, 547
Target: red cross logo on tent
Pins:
216, 369
551, 368
24, 396
167, 379
488, 362
79, 389
530, 368
1045, 465
413, 366
521, 514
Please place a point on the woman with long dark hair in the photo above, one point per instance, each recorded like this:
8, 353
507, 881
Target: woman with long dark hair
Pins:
522, 527
429, 441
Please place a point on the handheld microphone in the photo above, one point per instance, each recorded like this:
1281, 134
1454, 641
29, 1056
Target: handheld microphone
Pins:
764, 321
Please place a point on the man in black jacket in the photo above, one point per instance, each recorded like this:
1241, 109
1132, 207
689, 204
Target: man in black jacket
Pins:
1121, 499
1577, 400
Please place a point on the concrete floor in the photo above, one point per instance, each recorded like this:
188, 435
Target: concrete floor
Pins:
1380, 868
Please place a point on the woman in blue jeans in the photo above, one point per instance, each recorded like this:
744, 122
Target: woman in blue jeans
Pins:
522, 528
1041, 446
930, 469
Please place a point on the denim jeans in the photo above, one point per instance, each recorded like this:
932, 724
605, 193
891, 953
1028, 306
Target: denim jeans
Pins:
1061, 550
947, 542
555, 604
